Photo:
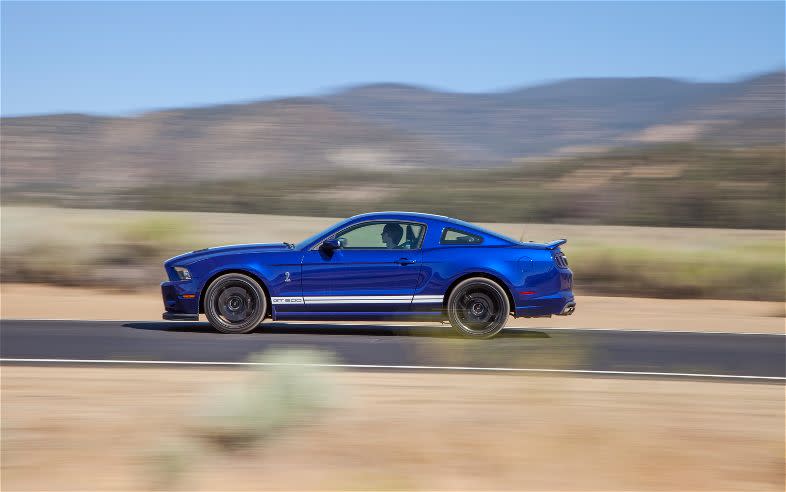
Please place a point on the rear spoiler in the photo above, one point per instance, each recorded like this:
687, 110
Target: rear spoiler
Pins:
556, 244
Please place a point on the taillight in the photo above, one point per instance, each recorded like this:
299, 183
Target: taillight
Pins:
560, 259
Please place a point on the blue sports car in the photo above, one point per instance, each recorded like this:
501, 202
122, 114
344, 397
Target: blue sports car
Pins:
377, 266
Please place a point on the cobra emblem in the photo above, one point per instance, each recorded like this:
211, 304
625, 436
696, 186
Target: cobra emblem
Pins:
286, 277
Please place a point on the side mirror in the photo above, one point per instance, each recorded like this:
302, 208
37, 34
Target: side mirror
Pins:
329, 245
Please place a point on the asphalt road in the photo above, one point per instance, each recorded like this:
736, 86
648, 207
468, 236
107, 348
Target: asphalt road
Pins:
396, 345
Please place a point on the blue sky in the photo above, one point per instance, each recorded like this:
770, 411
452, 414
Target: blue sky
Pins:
119, 58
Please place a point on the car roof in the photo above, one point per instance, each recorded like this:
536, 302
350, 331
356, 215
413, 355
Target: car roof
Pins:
396, 215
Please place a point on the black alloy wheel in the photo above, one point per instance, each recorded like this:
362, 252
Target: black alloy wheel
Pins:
235, 303
478, 308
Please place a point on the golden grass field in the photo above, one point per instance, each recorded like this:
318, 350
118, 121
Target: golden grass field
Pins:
125, 249
23, 226
103, 429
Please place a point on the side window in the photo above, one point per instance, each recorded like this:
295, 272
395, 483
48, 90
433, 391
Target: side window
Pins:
455, 236
382, 235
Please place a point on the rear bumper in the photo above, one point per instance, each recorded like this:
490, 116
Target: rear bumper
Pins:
559, 304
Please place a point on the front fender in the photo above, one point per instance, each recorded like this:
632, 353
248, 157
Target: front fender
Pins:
277, 273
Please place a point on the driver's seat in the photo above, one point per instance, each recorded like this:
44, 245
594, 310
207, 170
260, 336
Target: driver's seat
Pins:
411, 240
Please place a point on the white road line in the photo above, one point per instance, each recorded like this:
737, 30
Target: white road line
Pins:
85, 320
402, 367
408, 323
643, 330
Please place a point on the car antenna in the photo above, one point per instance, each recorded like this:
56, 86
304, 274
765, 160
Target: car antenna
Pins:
521, 238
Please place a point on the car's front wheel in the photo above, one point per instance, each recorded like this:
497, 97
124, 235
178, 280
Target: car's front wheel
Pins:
478, 308
235, 303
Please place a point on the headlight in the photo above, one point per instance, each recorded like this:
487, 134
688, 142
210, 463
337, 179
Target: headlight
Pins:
183, 273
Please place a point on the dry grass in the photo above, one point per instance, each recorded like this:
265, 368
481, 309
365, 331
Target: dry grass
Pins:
98, 429
121, 248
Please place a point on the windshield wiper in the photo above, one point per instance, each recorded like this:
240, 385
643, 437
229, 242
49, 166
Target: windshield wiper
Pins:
289, 245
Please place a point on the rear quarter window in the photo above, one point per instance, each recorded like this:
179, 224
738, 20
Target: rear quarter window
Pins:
456, 236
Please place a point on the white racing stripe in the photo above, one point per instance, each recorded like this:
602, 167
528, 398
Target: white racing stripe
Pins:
420, 299
427, 299
396, 367
360, 298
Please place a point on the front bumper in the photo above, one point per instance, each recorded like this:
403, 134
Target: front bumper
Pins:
180, 298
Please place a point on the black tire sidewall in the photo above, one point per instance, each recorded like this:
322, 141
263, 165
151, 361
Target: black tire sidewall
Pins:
456, 323
249, 324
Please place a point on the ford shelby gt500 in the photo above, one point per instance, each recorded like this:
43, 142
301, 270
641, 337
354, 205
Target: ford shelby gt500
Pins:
377, 266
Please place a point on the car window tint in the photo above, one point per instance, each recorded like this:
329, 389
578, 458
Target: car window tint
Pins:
382, 235
455, 236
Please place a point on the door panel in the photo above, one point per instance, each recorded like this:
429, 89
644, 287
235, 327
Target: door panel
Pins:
378, 280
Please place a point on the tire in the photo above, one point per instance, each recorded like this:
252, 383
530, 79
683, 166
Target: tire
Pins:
235, 303
478, 308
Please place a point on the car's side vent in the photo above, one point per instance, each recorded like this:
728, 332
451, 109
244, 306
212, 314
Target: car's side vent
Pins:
560, 259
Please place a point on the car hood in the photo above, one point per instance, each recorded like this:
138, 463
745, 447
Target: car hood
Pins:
221, 250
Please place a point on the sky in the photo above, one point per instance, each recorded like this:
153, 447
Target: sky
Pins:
123, 58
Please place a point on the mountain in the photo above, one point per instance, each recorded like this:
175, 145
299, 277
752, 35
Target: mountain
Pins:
553, 117
380, 127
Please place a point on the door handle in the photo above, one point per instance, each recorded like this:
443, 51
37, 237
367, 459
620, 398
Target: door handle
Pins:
404, 261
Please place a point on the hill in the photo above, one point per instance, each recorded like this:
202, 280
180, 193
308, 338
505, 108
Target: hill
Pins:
383, 126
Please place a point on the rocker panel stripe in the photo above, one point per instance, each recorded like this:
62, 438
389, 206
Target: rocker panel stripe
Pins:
424, 299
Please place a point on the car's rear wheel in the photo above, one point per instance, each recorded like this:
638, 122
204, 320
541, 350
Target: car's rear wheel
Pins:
478, 308
235, 303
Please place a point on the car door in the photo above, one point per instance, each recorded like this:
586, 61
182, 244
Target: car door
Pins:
375, 270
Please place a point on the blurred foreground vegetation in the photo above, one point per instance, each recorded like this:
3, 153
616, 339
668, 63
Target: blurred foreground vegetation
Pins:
676, 185
286, 389
125, 249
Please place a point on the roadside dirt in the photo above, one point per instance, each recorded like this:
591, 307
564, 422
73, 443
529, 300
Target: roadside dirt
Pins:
101, 429
47, 302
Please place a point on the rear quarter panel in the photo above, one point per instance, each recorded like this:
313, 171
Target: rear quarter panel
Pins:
442, 266
518, 268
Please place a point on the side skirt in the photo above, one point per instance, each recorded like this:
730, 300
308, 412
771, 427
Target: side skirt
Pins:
425, 316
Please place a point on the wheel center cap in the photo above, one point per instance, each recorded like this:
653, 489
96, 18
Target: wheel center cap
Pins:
477, 308
235, 303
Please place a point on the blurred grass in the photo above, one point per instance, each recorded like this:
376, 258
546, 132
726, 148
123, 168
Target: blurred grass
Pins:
124, 248
145, 240
288, 388
753, 271
393, 431
122, 254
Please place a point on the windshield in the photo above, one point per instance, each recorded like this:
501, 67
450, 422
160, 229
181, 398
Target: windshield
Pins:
304, 243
